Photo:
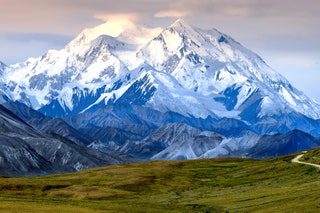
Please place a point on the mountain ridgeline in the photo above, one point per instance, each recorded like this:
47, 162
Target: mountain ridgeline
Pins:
174, 93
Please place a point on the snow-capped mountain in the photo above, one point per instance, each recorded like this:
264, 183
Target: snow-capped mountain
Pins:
87, 67
211, 63
183, 69
120, 88
60, 74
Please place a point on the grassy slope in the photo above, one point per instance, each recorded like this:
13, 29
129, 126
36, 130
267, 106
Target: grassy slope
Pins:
212, 185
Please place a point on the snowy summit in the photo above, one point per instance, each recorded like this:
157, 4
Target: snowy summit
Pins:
183, 69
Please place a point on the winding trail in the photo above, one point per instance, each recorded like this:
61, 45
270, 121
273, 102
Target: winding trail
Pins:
297, 160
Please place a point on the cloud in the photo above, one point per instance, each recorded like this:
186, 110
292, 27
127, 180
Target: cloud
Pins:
237, 11
118, 17
171, 13
71, 16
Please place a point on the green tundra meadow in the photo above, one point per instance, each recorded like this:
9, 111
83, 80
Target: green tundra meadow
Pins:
206, 185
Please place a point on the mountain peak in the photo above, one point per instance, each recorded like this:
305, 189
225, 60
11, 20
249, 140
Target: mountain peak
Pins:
210, 73
180, 24
180, 21
123, 30
110, 28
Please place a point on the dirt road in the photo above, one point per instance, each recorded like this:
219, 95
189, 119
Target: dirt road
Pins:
297, 160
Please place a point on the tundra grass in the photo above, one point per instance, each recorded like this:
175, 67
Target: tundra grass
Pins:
208, 185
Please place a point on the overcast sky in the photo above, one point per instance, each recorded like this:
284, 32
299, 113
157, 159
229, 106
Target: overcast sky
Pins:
285, 33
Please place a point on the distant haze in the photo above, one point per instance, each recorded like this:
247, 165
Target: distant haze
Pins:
284, 33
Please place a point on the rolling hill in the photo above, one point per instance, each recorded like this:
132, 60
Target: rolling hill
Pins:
206, 185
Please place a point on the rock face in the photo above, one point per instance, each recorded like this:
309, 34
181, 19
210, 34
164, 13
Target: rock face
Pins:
283, 144
174, 93
25, 152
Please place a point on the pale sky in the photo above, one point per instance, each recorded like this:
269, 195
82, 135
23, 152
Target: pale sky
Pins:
285, 33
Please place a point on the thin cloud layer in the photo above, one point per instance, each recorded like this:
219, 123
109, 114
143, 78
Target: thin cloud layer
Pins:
70, 16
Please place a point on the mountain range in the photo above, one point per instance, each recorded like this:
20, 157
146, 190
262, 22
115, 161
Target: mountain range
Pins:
176, 93
25, 151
